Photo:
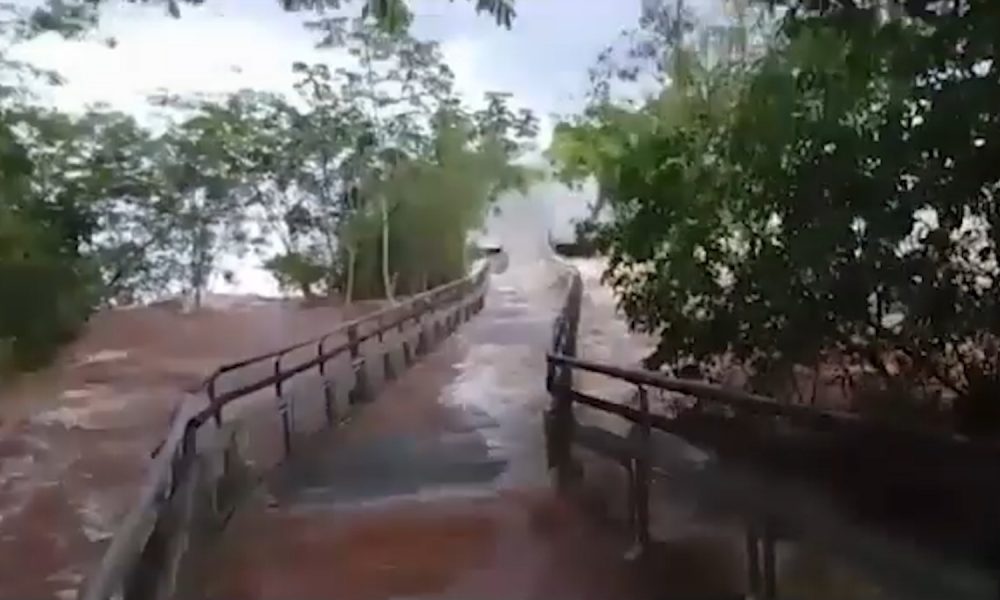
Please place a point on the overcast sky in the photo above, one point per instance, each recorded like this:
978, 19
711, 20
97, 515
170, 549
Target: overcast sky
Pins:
225, 45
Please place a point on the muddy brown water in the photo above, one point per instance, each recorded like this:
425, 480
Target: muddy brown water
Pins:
439, 489
76, 438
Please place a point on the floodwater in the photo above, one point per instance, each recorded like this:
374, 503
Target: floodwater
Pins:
439, 488
76, 438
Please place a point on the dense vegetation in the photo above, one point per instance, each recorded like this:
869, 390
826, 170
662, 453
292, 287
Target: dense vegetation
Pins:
811, 184
371, 176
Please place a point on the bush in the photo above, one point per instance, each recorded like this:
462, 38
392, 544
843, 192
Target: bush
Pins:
836, 198
44, 299
296, 271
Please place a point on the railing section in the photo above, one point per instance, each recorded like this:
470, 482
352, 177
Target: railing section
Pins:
204, 463
769, 506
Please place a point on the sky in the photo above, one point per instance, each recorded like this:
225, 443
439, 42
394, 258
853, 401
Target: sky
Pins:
226, 45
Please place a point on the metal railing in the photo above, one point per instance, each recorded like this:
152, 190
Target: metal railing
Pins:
356, 332
146, 554
770, 506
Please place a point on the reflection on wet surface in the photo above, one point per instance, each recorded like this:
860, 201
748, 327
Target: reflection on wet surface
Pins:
438, 488
487, 409
397, 465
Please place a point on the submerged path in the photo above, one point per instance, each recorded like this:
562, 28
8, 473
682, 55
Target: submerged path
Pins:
438, 488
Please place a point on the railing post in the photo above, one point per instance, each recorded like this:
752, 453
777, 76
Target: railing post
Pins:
327, 403
768, 562
217, 416
407, 353
560, 423
641, 470
761, 563
284, 407
753, 561
277, 373
189, 443
359, 393
352, 340
389, 372
422, 343
319, 356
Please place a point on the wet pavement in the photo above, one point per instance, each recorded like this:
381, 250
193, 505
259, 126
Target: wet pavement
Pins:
76, 438
439, 488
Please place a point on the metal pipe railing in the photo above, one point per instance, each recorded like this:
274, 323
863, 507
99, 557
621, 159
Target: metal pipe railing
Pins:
755, 495
114, 576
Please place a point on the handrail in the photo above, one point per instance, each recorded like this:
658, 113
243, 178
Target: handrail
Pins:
123, 549
874, 551
343, 328
762, 405
411, 308
707, 391
178, 448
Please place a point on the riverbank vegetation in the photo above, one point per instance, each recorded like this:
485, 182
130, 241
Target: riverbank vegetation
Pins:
366, 181
809, 185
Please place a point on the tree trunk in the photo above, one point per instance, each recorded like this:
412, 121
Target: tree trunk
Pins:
351, 261
195, 275
386, 279
330, 275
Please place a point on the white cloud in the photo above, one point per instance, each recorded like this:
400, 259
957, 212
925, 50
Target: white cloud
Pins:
216, 48
225, 45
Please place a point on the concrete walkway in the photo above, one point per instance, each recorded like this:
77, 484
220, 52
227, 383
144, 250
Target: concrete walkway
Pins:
439, 488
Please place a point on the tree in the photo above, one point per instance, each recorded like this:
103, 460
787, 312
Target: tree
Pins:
45, 293
48, 286
443, 195
391, 15
205, 192
372, 148
425, 143
98, 211
822, 204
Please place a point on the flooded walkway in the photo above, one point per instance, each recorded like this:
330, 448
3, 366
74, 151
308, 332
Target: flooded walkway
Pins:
439, 488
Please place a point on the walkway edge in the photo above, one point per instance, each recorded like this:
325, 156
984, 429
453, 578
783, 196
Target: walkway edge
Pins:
150, 545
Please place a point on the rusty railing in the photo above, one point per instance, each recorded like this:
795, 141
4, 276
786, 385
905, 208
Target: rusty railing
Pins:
190, 483
714, 417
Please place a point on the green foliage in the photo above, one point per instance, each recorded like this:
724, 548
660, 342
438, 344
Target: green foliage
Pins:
45, 289
371, 180
391, 16
45, 294
832, 198
386, 173
297, 272
441, 198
